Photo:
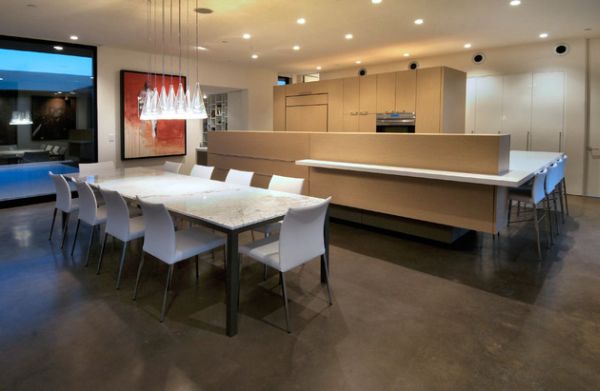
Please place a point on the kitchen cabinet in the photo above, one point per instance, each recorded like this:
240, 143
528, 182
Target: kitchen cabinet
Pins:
547, 112
489, 105
279, 108
351, 104
471, 105
516, 109
368, 94
406, 91
306, 118
335, 110
386, 92
440, 103
367, 122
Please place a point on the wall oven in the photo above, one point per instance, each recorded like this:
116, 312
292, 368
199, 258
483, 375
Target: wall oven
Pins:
403, 122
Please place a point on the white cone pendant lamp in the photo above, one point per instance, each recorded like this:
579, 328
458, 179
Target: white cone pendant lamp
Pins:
168, 103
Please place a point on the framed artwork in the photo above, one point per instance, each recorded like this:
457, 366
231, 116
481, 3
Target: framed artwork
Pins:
52, 117
147, 139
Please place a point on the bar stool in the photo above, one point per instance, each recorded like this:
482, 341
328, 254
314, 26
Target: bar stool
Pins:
200, 171
89, 213
536, 196
562, 187
64, 203
120, 226
552, 180
237, 177
170, 247
300, 241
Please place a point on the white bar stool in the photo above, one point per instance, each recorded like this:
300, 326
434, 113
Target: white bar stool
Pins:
64, 203
89, 213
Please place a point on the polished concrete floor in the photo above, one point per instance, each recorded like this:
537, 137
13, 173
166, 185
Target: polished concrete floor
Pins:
408, 314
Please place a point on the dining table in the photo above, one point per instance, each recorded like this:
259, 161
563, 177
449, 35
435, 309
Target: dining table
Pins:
223, 207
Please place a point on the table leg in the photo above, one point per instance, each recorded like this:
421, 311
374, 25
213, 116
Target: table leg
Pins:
232, 283
326, 257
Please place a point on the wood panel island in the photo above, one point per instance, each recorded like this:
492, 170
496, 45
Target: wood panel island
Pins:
436, 186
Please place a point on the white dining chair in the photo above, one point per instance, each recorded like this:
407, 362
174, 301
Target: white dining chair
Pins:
64, 203
200, 171
562, 187
301, 240
552, 181
89, 213
237, 177
119, 225
286, 185
536, 196
173, 167
170, 246
94, 168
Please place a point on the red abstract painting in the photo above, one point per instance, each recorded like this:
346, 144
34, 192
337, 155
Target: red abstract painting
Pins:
145, 139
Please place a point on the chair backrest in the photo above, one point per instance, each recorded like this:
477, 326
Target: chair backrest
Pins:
159, 239
562, 164
63, 192
37, 156
94, 168
200, 171
55, 150
538, 191
553, 177
301, 238
49, 148
286, 184
117, 216
88, 207
172, 167
237, 177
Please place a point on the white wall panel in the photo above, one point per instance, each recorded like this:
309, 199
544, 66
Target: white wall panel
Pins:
516, 109
547, 112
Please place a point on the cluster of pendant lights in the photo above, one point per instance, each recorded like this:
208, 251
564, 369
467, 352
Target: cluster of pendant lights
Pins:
162, 102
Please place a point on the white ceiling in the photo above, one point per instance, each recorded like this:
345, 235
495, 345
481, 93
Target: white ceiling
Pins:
382, 33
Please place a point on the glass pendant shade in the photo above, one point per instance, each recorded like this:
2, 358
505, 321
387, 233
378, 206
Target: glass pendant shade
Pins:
21, 118
180, 105
171, 100
162, 100
198, 109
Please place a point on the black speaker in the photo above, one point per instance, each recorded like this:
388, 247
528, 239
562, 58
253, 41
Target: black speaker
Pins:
478, 58
561, 49
362, 72
413, 65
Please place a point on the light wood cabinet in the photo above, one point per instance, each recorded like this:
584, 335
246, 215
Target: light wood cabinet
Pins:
367, 122
386, 92
440, 104
351, 103
306, 118
368, 94
406, 91
335, 110
279, 108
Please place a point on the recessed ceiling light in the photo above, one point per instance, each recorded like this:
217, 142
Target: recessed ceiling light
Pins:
301, 21
74, 37
202, 48
319, 68
246, 36
515, 3
406, 54
349, 36
419, 21
255, 56
467, 45
543, 35
376, 1
296, 47
357, 62
1, 78
59, 48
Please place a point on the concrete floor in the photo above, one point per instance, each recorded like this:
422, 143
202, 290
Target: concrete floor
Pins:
407, 315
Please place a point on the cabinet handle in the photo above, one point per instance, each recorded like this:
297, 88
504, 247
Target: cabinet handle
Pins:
364, 112
560, 141
528, 138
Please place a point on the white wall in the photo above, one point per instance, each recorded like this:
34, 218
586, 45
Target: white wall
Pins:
522, 59
237, 110
258, 83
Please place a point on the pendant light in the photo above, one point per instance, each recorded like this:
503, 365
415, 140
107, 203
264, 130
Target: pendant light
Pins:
20, 118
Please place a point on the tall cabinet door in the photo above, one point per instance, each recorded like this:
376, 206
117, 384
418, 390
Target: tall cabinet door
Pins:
547, 114
406, 91
471, 111
516, 110
279, 108
368, 94
351, 104
386, 92
489, 105
429, 100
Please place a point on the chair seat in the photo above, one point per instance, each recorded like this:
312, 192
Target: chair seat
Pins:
136, 230
74, 207
193, 241
265, 251
269, 228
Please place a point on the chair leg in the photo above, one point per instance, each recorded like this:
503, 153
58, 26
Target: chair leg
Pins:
252, 233
285, 301
265, 272
548, 216
121, 264
562, 205
139, 274
518, 208
89, 249
75, 237
197, 273
102, 247
52, 225
537, 232
509, 212
65, 218
555, 212
564, 186
166, 294
325, 264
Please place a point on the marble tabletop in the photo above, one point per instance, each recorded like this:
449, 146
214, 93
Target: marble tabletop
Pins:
229, 206
522, 167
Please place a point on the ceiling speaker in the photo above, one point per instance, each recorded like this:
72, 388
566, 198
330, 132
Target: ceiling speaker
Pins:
478, 58
561, 49
413, 65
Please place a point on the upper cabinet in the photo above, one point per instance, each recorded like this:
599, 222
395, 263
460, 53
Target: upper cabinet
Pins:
437, 95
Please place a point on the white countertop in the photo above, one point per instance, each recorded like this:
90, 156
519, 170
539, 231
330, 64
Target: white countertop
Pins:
523, 166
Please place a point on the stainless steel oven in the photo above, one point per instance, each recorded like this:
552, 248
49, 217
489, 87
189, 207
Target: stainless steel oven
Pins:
403, 122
